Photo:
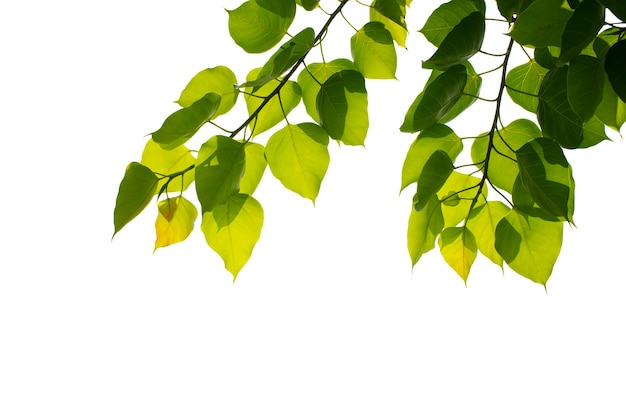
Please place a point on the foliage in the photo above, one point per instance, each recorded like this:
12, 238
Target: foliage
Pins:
573, 85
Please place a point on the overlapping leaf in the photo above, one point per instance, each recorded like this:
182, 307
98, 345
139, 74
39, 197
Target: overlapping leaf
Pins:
221, 163
424, 226
373, 51
136, 191
255, 167
508, 8
523, 83
391, 13
258, 25
529, 245
298, 157
308, 4
581, 29
585, 83
446, 17
169, 162
434, 175
456, 197
219, 80
615, 67
458, 248
611, 110
542, 23
233, 229
342, 107
482, 223
174, 222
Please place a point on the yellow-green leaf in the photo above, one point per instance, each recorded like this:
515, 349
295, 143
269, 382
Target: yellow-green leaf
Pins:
458, 248
256, 28
233, 229
255, 167
424, 226
136, 191
166, 162
219, 80
373, 51
482, 223
174, 222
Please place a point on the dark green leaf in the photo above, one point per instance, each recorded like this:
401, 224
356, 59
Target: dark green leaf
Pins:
544, 57
283, 59
611, 110
391, 13
221, 164
508, 8
585, 83
605, 40
181, 125
615, 67
618, 7
547, 175
581, 29
434, 175
258, 25
136, 191
424, 226
446, 17
469, 96
438, 98
342, 107
463, 42
373, 51
556, 117
431, 139
541, 24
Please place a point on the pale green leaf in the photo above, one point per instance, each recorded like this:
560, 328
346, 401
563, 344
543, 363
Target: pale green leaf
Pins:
424, 226
458, 248
391, 13
482, 223
165, 162
174, 222
256, 28
219, 80
523, 84
373, 51
456, 197
255, 167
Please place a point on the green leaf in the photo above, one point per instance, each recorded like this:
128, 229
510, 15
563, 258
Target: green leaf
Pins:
174, 222
424, 226
283, 59
434, 138
581, 29
277, 108
434, 174
469, 96
547, 175
437, 99
585, 83
523, 84
136, 191
594, 132
181, 125
615, 67
611, 110
456, 197
605, 40
298, 156
482, 223
219, 80
554, 112
221, 163
255, 167
544, 57
373, 52
508, 8
257, 25
617, 7
529, 245
542, 23
310, 84
233, 229
445, 18
458, 248
308, 4
463, 42
524, 203
342, 107
502, 160
391, 13
169, 162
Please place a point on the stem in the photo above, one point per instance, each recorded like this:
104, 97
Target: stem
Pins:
292, 71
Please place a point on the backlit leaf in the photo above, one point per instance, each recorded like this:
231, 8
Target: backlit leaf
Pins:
219, 80
542, 23
523, 84
556, 116
256, 26
308, 4
255, 167
433, 138
456, 197
434, 174
174, 222
277, 108
585, 83
169, 162
438, 98
547, 175
594, 132
458, 248
181, 125
136, 191
581, 29
310, 78
424, 226
482, 223
611, 110
615, 67
342, 107
469, 96
391, 13
373, 51
463, 42
445, 18
298, 157
529, 245
233, 229
221, 163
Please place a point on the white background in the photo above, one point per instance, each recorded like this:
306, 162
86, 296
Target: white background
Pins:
328, 318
